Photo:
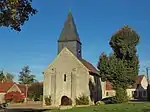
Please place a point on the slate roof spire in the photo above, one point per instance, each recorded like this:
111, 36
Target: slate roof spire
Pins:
69, 31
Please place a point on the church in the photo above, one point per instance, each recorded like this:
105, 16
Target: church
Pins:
69, 75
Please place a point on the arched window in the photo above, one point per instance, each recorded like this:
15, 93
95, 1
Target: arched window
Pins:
65, 77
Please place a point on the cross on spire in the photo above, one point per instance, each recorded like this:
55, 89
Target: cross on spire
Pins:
69, 3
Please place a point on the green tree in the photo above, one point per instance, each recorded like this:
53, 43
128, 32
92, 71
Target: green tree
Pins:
9, 77
6, 77
2, 76
14, 13
35, 90
121, 67
25, 76
124, 44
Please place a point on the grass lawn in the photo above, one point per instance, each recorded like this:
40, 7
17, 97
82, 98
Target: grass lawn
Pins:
130, 107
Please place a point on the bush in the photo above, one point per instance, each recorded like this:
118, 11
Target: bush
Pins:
82, 100
41, 97
35, 98
14, 96
35, 91
121, 96
48, 100
100, 103
30, 96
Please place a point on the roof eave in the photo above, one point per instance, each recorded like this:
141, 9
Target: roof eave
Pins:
69, 40
94, 73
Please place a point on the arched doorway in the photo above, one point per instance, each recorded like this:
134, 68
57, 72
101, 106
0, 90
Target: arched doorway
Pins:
66, 101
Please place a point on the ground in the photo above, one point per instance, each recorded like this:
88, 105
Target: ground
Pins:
25, 107
130, 107
23, 110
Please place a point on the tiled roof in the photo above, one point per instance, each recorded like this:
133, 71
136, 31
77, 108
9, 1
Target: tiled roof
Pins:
5, 86
108, 86
22, 87
89, 66
138, 81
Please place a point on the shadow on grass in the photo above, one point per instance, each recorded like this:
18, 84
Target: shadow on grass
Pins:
25, 110
138, 100
146, 110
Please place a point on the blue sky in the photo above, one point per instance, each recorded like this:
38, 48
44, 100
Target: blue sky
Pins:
96, 20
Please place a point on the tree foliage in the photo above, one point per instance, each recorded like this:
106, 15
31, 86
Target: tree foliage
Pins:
7, 77
82, 100
121, 95
14, 96
14, 13
35, 91
2, 76
48, 100
121, 67
25, 76
124, 43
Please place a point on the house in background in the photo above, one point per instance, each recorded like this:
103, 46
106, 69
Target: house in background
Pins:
141, 87
137, 91
6, 87
109, 91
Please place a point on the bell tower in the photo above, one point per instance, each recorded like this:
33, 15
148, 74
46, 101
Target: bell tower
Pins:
69, 37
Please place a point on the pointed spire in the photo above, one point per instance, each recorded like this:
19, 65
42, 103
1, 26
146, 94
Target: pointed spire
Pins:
69, 32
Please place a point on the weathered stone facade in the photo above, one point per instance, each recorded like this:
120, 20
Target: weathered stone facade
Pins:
77, 79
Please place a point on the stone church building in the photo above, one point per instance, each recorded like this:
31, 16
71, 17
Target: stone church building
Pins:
69, 75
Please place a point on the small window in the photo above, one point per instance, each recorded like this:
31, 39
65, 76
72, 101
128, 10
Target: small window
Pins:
107, 94
65, 77
135, 93
138, 85
144, 93
79, 51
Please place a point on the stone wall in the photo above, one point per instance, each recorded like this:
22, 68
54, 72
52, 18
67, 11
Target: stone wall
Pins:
77, 78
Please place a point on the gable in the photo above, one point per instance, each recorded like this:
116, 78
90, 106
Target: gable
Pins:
144, 82
66, 59
139, 79
14, 88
